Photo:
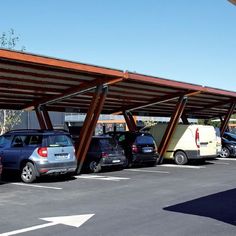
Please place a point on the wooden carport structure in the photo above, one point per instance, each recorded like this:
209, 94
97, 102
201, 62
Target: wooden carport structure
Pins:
34, 82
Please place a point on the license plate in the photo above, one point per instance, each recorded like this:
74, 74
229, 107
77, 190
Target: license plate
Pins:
115, 161
147, 150
61, 157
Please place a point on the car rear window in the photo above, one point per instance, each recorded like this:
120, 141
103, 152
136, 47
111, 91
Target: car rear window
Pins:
144, 139
58, 140
107, 144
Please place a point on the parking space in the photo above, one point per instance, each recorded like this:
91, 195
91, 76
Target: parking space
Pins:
170, 199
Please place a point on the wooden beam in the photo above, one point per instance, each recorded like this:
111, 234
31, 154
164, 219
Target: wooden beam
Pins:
129, 121
89, 127
227, 118
47, 118
41, 121
171, 127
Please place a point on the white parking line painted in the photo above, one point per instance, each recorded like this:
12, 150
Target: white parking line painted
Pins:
182, 166
148, 171
217, 163
226, 159
36, 186
100, 177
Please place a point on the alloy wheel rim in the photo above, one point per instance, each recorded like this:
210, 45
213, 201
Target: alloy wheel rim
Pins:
27, 173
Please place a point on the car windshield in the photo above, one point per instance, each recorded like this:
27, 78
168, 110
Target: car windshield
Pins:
144, 139
59, 141
230, 137
233, 137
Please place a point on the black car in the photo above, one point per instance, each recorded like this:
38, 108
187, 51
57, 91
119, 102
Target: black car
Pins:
103, 152
228, 145
139, 147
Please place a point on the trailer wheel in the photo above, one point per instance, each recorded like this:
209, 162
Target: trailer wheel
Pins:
180, 158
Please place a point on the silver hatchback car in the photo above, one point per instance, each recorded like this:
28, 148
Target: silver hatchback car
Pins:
37, 152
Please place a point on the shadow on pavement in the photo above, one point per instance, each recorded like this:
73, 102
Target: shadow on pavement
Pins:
220, 206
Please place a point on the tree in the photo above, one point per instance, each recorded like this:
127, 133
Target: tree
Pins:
9, 118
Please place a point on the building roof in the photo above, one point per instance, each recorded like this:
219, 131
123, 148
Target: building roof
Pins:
28, 80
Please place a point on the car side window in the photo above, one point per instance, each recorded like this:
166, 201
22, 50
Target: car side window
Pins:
33, 140
4, 140
18, 141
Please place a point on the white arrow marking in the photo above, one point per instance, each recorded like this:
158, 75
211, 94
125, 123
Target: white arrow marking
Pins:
75, 221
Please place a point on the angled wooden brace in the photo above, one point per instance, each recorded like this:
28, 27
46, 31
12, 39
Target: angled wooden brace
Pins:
171, 127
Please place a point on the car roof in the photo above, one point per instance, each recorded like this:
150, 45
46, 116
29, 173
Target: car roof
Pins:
102, 137
36, 131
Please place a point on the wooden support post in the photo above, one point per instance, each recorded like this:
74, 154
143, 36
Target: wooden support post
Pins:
90, 125
129, 121
86, 124
171, 126
225, 122
40, 118
47, 118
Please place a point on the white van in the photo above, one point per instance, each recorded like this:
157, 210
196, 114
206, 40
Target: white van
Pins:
188, 142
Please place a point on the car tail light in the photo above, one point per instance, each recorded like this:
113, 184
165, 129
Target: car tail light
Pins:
134, 148
197, 138
43, 152
104, 155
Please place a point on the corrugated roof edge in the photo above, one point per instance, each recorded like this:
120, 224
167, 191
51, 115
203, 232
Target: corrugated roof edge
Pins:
220, 91
27, 57
165, 82
47, 60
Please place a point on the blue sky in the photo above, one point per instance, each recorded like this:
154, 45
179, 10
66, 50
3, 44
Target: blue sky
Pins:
191, 41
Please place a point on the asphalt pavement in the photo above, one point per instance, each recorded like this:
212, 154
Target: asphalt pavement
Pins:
165, 200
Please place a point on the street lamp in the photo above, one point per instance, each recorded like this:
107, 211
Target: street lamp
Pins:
232, 1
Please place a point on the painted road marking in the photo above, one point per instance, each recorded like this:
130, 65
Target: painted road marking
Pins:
182, 166
36, 186
226, 159
74, 220
99, 177
148, 171
217, 163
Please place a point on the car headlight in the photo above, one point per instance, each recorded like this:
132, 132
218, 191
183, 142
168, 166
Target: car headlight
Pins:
233, 146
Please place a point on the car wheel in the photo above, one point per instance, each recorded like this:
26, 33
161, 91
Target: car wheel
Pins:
28, 173
95, 167
225, 152
127, 163
180, 158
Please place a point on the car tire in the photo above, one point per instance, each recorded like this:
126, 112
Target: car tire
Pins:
180, 158
225, 152
28, 173
127, 163
94, 167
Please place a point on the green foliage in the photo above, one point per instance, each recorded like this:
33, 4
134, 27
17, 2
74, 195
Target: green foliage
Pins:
9, 118
9, 40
